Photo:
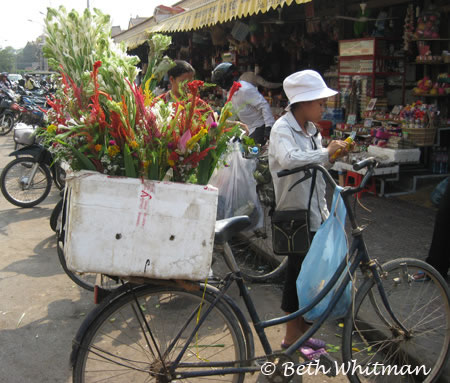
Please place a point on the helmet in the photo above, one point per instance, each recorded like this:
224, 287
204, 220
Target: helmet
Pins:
223, 75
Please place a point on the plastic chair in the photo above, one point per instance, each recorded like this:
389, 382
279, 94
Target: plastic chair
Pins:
354, 179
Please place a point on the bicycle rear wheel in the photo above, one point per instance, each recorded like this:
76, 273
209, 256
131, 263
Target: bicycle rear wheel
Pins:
117, 346
378, 347
254, 254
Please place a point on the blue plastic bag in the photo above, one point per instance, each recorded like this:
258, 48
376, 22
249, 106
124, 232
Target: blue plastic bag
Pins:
328, 248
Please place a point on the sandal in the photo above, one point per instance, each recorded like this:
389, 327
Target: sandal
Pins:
311, 354
315, 344
420, 276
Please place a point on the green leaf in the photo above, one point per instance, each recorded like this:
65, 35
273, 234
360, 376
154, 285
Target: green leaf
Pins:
153, 168
130, 170
204, 170
84, 161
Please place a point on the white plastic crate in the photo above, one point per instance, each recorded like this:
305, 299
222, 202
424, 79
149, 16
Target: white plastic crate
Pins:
395, 155
132, 227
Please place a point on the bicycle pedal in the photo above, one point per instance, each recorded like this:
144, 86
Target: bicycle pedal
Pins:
329, 363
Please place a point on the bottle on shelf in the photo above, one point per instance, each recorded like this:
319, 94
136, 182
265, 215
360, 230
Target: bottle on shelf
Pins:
435, 159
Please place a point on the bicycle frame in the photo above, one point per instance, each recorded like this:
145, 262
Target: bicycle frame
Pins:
359, 258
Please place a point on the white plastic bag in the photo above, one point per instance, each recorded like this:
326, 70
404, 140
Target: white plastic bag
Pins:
237, 188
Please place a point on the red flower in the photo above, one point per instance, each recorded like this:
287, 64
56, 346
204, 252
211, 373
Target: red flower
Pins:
194, 85
233, 90
193, 88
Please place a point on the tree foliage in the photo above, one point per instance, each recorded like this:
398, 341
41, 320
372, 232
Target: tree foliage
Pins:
27, 56
7, 59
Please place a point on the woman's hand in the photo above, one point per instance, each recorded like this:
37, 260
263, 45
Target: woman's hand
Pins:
334, 146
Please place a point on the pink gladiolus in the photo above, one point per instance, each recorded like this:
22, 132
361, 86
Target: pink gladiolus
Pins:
210, 120
183, 140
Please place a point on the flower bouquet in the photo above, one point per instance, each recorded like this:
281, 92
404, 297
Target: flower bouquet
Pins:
102, 121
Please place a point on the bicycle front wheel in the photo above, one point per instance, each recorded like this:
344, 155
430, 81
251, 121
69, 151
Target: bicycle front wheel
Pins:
19, 189
375, 347
119, 346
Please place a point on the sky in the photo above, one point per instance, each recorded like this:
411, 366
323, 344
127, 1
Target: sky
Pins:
22, 20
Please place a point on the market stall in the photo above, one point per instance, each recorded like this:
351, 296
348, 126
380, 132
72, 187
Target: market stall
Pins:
383, 58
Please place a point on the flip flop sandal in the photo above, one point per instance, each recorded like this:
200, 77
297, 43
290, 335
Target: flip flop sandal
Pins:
311, 354
420, 276
315, 344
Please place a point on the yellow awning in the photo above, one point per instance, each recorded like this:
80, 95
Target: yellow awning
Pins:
219, 11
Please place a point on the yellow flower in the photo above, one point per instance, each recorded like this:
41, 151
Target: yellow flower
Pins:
147, 92
51, 128
98, 147
113, 150
196, 138
134, 144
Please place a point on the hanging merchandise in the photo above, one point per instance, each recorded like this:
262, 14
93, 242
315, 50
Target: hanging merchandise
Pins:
218, 36
240, 31
428, 24
360, 27
408, 28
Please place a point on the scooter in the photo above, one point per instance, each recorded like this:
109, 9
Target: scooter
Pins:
8, 111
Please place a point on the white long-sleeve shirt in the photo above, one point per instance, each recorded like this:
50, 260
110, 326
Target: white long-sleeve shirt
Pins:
251, 107
291, 147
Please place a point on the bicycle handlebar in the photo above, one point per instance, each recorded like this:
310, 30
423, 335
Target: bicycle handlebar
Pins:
371, 163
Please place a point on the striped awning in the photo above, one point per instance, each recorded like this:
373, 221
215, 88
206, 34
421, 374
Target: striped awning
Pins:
218, 11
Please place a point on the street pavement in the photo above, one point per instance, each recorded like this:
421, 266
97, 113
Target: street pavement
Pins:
41, 308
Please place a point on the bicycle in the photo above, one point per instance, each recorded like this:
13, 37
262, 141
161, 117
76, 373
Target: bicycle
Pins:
167, 331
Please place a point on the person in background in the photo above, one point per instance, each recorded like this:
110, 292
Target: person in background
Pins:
295, 141
180, 75
181, 72
4, 81
439, 252
249, 105
29, 82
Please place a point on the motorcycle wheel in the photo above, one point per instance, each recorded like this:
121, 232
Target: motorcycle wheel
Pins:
6, 124
15, 175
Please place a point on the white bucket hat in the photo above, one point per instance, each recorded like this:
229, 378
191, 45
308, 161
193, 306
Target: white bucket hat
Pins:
306, 85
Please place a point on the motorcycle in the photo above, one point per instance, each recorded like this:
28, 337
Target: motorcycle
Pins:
26, 181
8, 111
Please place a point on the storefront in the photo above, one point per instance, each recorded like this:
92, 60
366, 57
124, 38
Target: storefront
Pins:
383, 58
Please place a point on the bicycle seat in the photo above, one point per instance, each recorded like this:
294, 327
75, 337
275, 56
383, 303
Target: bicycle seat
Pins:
226, 228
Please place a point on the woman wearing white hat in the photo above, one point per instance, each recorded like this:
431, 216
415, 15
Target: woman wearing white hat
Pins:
295, 141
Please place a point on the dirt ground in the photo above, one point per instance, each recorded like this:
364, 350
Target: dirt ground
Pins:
41, 308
